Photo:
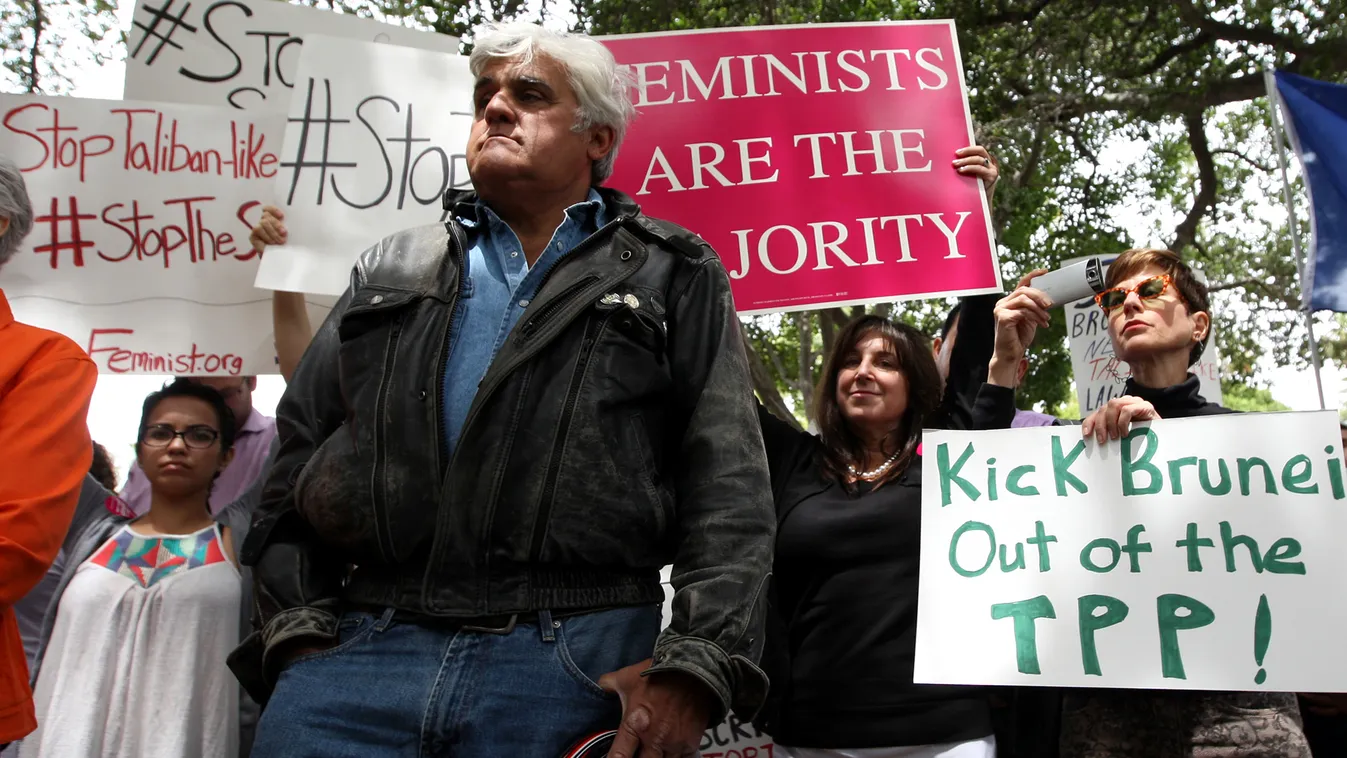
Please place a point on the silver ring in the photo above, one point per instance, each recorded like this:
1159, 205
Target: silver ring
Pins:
986, 163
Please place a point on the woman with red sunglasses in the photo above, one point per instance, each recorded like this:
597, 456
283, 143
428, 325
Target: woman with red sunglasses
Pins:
1159, 319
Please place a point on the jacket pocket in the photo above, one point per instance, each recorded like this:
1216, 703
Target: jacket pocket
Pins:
333, 495
647, 466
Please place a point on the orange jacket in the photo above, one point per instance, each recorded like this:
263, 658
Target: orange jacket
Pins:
46, 382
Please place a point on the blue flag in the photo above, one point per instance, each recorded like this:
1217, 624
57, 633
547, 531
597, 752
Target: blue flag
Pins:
1317, 122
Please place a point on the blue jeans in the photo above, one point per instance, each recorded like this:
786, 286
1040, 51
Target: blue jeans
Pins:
401, 690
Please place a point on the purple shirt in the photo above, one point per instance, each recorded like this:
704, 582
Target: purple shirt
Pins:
1025, 419
250, 456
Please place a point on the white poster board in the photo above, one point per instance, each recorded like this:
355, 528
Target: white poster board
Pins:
239, 53
139, 251
1201, 554
375, 137
1099, 375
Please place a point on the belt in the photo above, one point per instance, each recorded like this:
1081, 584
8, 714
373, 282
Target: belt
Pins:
501, 623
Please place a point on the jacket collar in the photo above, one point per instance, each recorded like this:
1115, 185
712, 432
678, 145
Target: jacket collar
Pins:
465, 201
6, 315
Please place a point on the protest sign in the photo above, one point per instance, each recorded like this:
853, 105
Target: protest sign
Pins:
733, 738
1199, 554
239, 53
375, 137
815, 159
1098, 373
139, 250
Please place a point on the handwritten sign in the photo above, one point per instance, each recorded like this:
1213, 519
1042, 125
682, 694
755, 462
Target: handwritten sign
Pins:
238, 53
376, 136
815, 159
139, 250
1099, 375
1200, 554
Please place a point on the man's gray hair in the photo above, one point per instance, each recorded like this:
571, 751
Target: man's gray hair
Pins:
15, 206
600, 85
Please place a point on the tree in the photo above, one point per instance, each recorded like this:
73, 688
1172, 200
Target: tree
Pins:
36, 34
1242, 397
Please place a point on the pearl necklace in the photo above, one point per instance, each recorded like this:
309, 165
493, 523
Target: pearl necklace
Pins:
874, 473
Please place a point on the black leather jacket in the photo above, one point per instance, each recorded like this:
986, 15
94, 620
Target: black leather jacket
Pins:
614, 433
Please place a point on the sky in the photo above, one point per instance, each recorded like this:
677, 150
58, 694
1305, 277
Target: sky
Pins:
115, 411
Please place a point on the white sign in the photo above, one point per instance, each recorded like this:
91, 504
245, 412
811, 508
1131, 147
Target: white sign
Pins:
1200, 554
375, 137
139, 250
239, 53
1099, 375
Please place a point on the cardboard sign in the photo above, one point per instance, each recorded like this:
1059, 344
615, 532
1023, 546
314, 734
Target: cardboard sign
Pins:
139, 250
375, 137
815, 159
239, 53
1099, 375
1198, 554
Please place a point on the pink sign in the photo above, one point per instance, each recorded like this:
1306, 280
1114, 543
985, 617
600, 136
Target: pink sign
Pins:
815, 159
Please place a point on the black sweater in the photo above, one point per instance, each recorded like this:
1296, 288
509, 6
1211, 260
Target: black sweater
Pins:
843, 614
1180, 401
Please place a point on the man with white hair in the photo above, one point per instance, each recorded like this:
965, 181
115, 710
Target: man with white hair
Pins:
508, 424
46, 383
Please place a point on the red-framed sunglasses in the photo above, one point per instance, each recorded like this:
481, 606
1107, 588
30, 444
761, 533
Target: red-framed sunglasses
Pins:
1146, 289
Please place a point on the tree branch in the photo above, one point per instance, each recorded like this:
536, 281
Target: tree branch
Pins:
36, 52
765, 386
1243, 157
1198, 17
1205, 200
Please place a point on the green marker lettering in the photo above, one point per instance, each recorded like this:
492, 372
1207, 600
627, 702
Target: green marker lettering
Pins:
1114, 611
954, 548
1087, 560
950, 475
1230, 540
1040, 540
1204, 477
1026, 635
1061, 467
1130, 468
1013, 482
1191, 543
1294, 481
1176, 473
1277, 555
1246, 465
1167, 609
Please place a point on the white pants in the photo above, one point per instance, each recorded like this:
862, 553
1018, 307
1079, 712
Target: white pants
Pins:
983, 748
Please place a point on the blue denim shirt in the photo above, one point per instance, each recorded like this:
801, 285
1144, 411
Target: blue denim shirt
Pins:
496, 288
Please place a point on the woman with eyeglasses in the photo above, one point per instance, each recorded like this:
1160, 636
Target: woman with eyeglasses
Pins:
132, 656
1159, 319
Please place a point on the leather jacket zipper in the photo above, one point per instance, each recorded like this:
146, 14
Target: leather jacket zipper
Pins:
557, 304
458, 244
563, 428
380, 441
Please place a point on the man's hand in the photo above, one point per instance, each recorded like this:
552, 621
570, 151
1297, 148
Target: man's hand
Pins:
299, 647
663, 715
270, 230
